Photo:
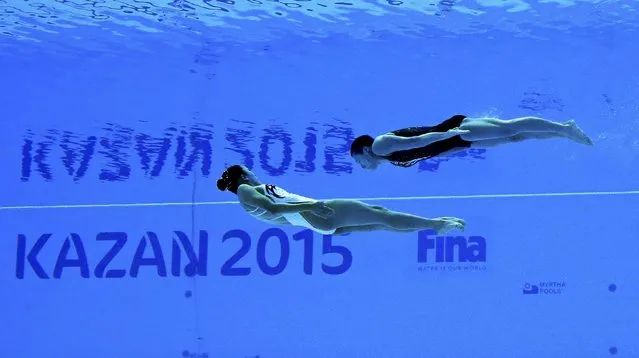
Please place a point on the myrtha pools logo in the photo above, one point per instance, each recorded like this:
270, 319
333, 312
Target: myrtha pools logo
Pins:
544, 288
450, 253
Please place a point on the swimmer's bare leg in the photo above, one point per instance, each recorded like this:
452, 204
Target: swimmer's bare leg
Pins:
354, 213
367, 228
514, 139
481, 129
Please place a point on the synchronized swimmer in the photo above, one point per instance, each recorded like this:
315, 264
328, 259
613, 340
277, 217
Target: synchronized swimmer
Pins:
407, 146
275, 205
404, 148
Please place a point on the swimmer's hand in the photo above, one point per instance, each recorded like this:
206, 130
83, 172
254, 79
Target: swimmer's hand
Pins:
321, 209
446, 224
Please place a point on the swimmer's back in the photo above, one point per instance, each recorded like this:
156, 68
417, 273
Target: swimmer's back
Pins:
411, 156
276, 195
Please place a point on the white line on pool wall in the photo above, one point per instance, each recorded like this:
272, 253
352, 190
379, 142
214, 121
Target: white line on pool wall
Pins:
390, 198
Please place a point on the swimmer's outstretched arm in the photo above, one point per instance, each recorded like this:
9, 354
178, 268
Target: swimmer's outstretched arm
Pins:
248, 195
389, 143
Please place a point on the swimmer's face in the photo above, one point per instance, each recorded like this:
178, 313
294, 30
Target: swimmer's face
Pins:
366, 160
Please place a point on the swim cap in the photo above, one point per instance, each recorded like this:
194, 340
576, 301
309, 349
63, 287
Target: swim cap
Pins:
223, 183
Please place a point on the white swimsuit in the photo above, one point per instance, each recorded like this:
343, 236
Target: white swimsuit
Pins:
279, 195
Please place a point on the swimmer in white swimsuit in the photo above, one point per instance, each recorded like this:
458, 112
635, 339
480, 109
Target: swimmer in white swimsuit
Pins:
339, 216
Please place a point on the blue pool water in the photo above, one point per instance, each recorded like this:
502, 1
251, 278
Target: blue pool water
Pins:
118, 116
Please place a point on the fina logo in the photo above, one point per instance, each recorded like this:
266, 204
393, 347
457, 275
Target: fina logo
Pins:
450, 253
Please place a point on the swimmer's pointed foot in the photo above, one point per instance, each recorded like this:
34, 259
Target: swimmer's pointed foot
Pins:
447, 223
577, 134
